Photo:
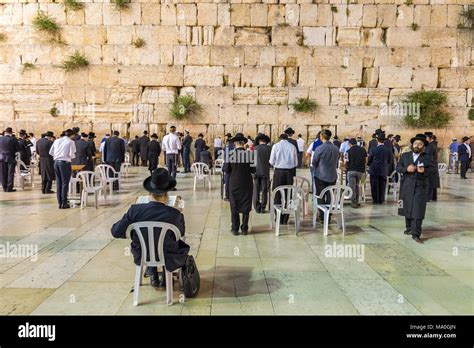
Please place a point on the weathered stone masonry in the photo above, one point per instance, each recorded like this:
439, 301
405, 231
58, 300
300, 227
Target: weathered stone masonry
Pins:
243, 60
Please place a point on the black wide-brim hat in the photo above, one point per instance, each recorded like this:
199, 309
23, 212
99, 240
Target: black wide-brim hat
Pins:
381, 136
239, 137
159, 182
49, 134
263, 137
289, 131
421, 137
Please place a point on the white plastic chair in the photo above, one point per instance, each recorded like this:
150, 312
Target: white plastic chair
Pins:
442, 168
24, 174
337, 194
218, 164
88, 180
105, 177
393, 181
304, 183
157, 257
126, 165
201, 172
292, 198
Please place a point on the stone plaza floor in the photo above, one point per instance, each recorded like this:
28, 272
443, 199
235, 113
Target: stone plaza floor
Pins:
81, 269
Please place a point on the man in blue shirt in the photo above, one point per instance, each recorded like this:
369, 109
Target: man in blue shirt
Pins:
453, 156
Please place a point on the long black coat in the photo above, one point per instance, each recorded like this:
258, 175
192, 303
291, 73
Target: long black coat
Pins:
379, 161
175, 252
43, 146
414, 186
83, 153
25, 152
154, 151
114, 150
8, 148
432, 150
143, 142
240, 183
135, 146
199, 146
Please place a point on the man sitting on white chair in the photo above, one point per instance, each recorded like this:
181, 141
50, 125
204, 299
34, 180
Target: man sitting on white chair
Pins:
176, 252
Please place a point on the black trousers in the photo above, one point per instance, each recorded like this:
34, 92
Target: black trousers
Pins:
282, 177
171, 163
464, 167
235, 217
63, 171
377, 187
414, 225
8, 175
116, 166
320, 186
260, 194
432, 194
46, 186
135, 158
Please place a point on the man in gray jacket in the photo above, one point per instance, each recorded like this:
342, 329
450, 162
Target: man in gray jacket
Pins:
325, 160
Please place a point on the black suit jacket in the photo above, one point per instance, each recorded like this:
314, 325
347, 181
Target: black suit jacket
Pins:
114, 150
187, 141
43, 146
175, 251
463, 155
262, 153
8, 147
83, 152
379, 160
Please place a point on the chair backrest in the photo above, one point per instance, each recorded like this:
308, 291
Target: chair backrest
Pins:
200, 169
395, 177
127, 158
21, 167
291, 196
88, 178
337, 194
219, 163
104, 170
304, 183
156, 257
442, 167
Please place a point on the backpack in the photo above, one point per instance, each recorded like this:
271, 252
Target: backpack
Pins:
191, 279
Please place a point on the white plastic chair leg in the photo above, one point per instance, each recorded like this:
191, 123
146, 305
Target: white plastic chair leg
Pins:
95, 199
277, 223
138, 281
326, 222
194, 187
297, 220
343, 222
169, 287
272, 216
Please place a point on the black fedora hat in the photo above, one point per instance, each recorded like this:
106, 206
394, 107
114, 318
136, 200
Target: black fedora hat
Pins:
154, 136
228, 135
429, 134
49, 134
263, 137
421, 137
289, 131
159, 182
239, 137
380, 135
92, 135
8, 130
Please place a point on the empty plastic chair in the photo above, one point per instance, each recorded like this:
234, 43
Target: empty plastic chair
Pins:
201, 172
24, 174
292, 198
126, 165
304, 183
337, 194
157, 258
108, 176
88, 186
393, 181
442, 168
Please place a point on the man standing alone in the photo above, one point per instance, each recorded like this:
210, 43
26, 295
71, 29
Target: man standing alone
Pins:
416, 167
63, 152
46, 162
465, 156
380, 158
356, 161
262, 173
187, 141
171, 145
300, 142
8, 148
143, 142
114, 153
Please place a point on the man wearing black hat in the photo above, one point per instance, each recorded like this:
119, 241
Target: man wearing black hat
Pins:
372, 143
135, 146
143, 141
433, 181
90, 140
379, 160
43, 146
416, 167
154, 151
284, 159
240, 168
83, 152
8, 148
25, 145
176, 251
290, 132
187, 141
77, 134
262, 173
114, 153
198, 146
227, 149
465, 156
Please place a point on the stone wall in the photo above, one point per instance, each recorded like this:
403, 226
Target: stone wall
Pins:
243, 60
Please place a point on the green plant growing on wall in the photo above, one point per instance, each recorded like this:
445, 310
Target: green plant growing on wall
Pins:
184, 107
139, 42
470, 115
54, 112
426, 109
467, 17
28, 66
121, 4
73, 5
333, 8
3, 37
409, 2
44, 22
304, 105
414, 26
75, 61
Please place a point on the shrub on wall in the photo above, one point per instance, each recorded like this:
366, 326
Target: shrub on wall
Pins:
73, 5
75, 61
467, 18
428, 111
470, 115
121, 4
46, 23
304, 105
184, 107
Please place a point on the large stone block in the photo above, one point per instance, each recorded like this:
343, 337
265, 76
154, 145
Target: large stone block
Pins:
151, 14
263, 114
240, 15
132, 15
276, 15
207, 14
340, 96
439, 14
348, 36
395, 77
199, 55
245, 95
369, 18
338, 77
315, 36
223, 14
158, 95
439, 37
186, 14
152, 76
231, 76
422, 15
278, 76
324, 18
168, 14
386, 16
111, 16
224, 36
308, 15
425, 78
203, 76
256, 76
227, 55
258, 15
292, 14
233, 114
372, 37
403, 37
214, 95
405, 15
295, 93
273, 95
251, 37
286, 36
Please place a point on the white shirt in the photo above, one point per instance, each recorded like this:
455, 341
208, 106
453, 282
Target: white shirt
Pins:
300, 143
415, 156
33, 148
63, 149
171, 143
283, 155
218, 143
344, 147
